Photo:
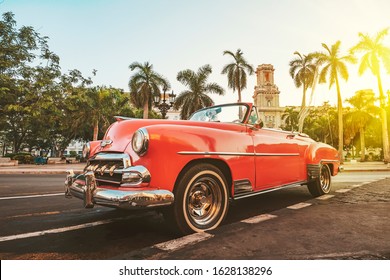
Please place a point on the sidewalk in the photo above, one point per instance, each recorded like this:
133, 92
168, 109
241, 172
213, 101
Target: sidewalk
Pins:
366, 166
78, 167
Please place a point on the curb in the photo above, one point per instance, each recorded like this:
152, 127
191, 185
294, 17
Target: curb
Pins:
368, 170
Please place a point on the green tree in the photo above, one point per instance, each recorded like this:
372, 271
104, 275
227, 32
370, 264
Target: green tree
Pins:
88, 109
100, 99
236, 71
303, 71
333, 66
375, 54
144, 84
290, 118
322, 124
360, 116
28, 70
195, 97
39, 106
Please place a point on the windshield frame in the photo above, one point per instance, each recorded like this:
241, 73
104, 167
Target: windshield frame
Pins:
243, 120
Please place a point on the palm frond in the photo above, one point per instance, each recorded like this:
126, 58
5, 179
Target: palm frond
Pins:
380, 35
236, 69
364, 64
229, 53
185, 76
325, 46
214, 88
324, 74
342, 69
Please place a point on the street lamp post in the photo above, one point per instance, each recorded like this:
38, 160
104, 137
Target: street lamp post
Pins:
165, 104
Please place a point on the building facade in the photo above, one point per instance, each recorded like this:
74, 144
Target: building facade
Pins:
266, 97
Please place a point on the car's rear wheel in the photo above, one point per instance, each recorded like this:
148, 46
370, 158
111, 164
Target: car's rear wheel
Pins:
322, 184
201, 199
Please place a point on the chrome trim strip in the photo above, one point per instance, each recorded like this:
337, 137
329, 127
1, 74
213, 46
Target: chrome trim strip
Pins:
242, 187
109, 156
296, 184
215, 153
277, 154
239, 154
329, 160
112, 157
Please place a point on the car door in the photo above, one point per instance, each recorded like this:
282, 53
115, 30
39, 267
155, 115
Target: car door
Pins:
278, 159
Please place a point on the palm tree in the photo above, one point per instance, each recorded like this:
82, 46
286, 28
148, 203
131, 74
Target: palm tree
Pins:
362, 113
321, 123
195, 97
303, 71
236, 72
334, 66
290, 118
100, 105
144, 84
374, 52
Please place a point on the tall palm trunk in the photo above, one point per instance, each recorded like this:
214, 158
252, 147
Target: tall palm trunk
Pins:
362, 145
96, 129
146, 110
304, 109
340, 121
385, 135
240, 114
302, 112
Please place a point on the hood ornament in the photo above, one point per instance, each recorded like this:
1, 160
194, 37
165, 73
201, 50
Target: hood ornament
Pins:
105, 143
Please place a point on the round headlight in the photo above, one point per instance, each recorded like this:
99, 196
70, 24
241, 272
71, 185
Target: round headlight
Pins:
140, 141
86, 150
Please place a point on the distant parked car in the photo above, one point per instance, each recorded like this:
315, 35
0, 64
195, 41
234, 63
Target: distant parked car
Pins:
192, 169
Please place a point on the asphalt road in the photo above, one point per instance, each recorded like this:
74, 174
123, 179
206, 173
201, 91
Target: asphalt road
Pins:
38, 222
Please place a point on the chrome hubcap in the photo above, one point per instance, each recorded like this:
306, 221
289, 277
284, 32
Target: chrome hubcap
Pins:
325, 179
204, 201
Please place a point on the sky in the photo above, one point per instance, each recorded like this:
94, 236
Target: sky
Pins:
176, 35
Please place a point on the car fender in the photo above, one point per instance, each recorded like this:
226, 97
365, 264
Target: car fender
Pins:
173, 147
320, 153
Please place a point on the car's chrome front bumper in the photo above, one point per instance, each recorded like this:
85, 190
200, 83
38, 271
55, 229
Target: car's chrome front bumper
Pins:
84, 186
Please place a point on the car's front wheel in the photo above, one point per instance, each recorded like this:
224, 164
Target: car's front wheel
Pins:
201, 199
322, 184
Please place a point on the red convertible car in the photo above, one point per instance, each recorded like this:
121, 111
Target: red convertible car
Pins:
192, 169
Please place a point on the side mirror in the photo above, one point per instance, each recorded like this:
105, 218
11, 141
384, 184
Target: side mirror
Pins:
259, 124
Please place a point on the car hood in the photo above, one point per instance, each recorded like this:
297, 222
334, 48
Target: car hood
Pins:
119, 134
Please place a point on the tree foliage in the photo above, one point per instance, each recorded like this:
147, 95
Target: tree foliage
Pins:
144, 84
195, 97
290, 118
333, 67
374, 54
40, 107
303, 71
236, 71
360, 116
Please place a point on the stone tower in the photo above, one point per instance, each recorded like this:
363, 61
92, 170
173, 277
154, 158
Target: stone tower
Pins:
266, 97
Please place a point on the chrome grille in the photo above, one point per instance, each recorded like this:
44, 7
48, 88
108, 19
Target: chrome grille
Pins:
107, 168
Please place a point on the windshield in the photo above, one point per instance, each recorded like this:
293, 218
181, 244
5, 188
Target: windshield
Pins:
234, 113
